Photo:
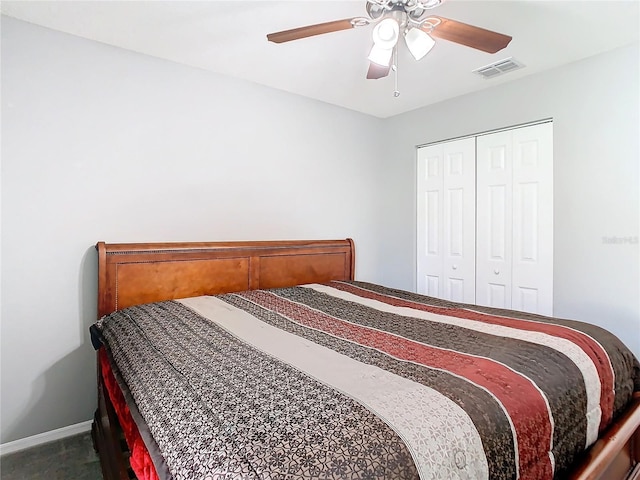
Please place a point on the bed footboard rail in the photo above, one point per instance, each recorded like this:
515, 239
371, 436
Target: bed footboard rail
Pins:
616, 455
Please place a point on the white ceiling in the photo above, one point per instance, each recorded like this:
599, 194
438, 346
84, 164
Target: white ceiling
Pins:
229, 37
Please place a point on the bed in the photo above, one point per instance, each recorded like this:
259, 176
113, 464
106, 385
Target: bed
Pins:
333, 403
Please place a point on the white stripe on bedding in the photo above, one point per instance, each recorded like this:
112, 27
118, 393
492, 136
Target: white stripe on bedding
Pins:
568, 348
439, 425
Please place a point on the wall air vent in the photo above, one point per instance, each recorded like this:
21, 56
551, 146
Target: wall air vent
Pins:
498, 68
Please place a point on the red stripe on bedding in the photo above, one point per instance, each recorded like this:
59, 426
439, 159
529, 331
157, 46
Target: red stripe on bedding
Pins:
591, 348
533, 438
140, 459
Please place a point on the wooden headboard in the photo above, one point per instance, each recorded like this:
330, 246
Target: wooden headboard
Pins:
134, 273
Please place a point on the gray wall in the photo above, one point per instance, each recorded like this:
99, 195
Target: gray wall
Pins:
103, 144
595, 106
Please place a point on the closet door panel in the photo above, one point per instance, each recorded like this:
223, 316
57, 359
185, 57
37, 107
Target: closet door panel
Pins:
429, 211
494, 220
532, 280
459, 220
446, 220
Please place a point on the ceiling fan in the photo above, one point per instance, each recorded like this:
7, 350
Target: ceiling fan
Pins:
407, 18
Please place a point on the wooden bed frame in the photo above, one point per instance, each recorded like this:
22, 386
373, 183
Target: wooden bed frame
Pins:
135, 273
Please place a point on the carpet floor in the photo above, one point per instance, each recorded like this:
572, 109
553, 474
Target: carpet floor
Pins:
71, 458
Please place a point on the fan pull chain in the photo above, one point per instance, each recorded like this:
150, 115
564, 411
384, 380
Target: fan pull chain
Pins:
394, 67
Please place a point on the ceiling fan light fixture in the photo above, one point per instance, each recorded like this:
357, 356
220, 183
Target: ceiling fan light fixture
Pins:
380, 56
418, 42
385, 33
430, 3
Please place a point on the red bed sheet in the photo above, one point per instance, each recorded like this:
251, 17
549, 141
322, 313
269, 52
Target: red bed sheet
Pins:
140, 459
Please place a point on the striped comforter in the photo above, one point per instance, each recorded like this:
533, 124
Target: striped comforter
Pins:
353, 380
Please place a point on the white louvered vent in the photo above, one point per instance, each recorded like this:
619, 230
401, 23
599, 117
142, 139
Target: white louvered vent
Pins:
498, 68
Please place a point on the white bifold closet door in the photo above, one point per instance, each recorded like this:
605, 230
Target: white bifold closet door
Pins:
446, 213
514, 256
485, 219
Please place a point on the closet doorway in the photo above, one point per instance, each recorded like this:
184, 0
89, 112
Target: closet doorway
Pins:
485, 219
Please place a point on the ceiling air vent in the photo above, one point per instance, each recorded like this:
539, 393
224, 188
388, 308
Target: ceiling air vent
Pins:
498, 68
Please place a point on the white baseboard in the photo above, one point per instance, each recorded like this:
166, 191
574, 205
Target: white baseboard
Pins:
34, 440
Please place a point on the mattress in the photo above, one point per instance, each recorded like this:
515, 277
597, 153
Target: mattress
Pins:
355, 380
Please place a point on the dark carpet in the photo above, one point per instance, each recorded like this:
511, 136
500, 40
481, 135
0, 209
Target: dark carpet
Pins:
71, 458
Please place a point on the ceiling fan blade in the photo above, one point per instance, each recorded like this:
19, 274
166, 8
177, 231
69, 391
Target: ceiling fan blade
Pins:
377, 71
474, 37
311, 30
